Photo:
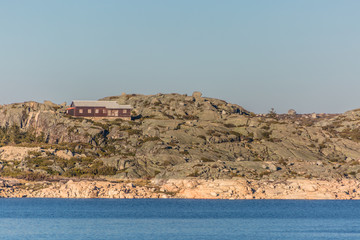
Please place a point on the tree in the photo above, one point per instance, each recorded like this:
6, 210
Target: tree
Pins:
272, 113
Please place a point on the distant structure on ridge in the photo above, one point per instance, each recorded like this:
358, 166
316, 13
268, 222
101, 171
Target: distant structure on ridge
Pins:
99, 109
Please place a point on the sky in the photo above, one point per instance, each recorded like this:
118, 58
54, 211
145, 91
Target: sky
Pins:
260, 54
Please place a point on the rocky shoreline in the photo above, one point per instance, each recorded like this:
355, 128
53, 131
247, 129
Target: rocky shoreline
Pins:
184, 188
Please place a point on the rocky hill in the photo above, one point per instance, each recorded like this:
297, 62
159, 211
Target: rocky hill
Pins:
175, 136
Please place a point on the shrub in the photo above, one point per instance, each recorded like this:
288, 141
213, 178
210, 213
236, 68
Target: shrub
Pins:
352, 134
272, 113
321, 146
64, 163
235, 133
34, 153
33, 176
266, 134
214, 166
194, 174
185, 152
202, 137
106, 170
15, 135
282, 162
128, 154
73, 172
204, 159
190, 117
38, 161
213, 133
265, 173
134, 131
166, 163
150, 139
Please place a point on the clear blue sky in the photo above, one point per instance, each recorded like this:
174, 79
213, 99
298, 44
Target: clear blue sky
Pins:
258, 54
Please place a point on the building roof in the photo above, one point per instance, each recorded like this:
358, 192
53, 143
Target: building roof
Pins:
106, 104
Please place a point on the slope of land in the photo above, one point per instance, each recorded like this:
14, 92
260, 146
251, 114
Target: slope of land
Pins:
174, 139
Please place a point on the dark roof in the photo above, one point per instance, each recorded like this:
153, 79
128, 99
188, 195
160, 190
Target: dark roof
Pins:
106, 104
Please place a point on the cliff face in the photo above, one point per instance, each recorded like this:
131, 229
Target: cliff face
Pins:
45, 123
175, 136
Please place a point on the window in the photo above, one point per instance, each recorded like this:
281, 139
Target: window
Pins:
124, 111
104, 111
80, 111
89, 110
96, 110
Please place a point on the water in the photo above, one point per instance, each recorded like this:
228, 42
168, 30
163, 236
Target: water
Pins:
169, 219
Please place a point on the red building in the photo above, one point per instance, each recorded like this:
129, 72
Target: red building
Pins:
99, 109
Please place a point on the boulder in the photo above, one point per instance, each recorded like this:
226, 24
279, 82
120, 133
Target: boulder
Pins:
197, 94
50, 104
65, 154
291, 112
272, 167
209, 115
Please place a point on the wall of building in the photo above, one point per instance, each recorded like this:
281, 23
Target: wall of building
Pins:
99, 112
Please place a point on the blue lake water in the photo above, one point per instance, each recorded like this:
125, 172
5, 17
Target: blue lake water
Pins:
175, 219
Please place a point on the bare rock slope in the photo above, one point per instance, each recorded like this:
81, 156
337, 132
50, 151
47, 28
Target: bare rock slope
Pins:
175, 136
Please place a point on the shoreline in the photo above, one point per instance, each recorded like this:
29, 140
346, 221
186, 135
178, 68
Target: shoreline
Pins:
232, 189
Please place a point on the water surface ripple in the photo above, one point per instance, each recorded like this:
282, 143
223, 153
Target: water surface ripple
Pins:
175, 219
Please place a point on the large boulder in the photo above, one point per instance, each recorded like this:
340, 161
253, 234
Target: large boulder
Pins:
292, 112
209, 115
197, 94
50, 104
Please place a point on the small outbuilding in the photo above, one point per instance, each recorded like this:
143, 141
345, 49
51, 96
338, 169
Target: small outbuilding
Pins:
102, 109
